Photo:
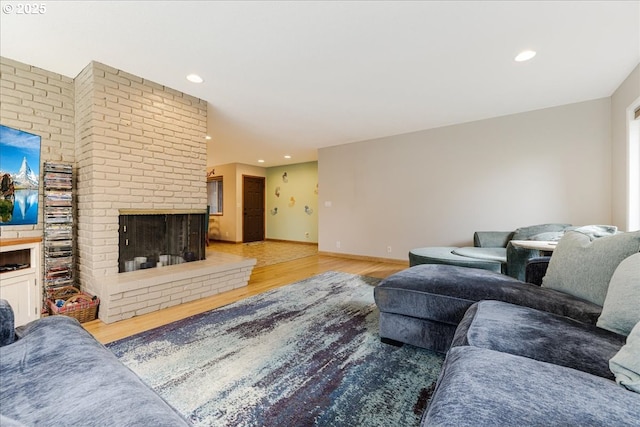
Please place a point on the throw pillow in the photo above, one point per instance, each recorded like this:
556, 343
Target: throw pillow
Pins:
625, 365
525, 233
595, 231
583, 267
621, 309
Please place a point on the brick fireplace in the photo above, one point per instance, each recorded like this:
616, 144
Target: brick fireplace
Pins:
140, 146
150, 239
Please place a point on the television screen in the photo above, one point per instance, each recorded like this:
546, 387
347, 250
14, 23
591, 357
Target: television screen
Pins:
19, 176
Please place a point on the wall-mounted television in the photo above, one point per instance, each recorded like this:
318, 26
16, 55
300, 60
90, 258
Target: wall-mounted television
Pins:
19, 176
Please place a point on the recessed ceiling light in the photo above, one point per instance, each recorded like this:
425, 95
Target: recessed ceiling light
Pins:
194, 78
287, 156
208, 137
525, 55
260, 161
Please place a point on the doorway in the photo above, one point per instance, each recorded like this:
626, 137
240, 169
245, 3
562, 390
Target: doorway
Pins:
253, 202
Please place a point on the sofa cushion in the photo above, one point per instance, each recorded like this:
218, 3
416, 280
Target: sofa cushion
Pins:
621, 306
479, 387
626, 363
57, 374
492, 239
539, 335
7, 322
444, 293
583, 267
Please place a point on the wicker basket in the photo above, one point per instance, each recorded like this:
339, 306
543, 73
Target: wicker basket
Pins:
78, 305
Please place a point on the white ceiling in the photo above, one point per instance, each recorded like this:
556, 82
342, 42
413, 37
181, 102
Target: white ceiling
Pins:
292, 77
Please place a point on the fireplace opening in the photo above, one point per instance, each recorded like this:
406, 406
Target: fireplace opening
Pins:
149, 240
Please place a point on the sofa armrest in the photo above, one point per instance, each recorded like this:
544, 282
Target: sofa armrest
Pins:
536, 269
7, 323
491, 239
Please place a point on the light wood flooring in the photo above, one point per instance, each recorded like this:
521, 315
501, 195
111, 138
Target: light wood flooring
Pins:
266, 252
262, 279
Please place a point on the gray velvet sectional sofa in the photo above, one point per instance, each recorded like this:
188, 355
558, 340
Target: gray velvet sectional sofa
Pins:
57, 374
514, 366
566, 353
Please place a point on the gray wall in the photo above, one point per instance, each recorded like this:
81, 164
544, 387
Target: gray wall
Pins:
438, 186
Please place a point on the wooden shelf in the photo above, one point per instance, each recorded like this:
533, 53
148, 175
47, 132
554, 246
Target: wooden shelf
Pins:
20, 241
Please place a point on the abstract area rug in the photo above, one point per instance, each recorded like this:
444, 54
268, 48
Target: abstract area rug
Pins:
302, 355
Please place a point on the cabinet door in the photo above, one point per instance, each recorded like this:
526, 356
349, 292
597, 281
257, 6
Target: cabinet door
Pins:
22, 294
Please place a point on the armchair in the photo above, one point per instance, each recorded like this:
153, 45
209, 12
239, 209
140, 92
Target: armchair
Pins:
492, 250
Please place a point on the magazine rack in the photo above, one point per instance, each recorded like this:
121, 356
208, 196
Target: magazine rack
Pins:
58, 227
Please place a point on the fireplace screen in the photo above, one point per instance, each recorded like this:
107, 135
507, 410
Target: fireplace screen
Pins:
156, 240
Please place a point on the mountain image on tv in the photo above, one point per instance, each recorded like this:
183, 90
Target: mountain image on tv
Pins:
19, 176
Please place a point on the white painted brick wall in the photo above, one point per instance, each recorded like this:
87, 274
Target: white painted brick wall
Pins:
142, 147
40, 102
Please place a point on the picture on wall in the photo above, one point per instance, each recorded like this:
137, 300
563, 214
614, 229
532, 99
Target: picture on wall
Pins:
20, 176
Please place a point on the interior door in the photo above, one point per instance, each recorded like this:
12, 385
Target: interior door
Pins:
253, 199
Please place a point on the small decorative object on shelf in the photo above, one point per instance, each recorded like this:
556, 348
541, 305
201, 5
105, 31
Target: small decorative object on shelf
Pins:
58, 227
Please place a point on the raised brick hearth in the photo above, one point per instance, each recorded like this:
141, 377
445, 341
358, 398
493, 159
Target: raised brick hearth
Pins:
139, 292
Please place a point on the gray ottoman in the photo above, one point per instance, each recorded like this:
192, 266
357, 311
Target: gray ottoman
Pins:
445, 255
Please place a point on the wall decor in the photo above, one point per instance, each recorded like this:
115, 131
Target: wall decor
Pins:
19, 176
291, 189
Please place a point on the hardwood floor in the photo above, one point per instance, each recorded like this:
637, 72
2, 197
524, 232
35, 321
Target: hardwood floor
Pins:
266, 252
262, 279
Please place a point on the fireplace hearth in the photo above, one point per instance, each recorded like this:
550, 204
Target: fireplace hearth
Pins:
152, 239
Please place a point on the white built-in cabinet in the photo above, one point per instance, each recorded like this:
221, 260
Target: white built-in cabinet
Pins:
20, 278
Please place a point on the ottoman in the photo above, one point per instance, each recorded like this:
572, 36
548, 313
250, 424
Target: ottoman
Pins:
446, 255
423, 305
